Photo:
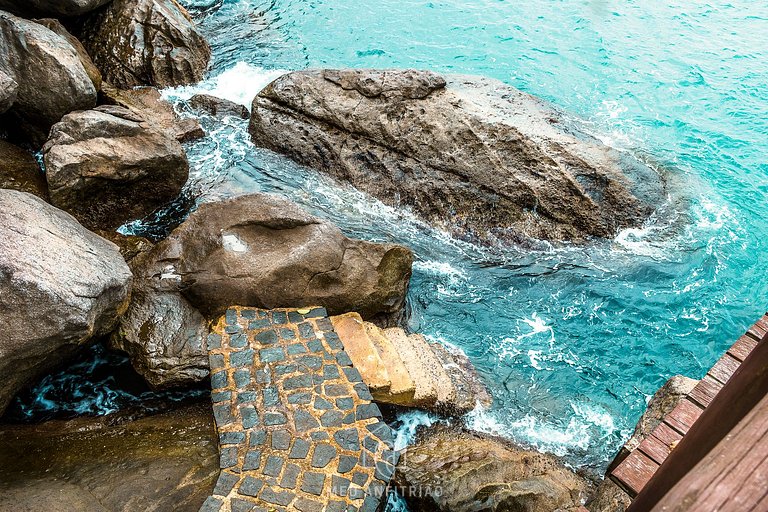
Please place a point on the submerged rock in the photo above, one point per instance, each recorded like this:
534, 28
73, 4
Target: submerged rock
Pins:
50, 77
609, 497
145, 42
257, 250
217, 106
468, 154
19, 171
453, 470
60, 286
51, 7
110, 165
163, 462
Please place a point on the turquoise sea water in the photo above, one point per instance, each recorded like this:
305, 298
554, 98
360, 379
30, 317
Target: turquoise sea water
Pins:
571, 341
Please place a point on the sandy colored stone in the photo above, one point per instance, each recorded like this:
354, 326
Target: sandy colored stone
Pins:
446, 392
425, 392
363, 353
402, 388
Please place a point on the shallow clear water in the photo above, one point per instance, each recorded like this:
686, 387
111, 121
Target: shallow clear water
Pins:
571, 341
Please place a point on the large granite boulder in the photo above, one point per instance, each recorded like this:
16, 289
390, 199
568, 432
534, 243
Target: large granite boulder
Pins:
93, 72
109, 165
264, 251
145, 42
110, 464
469, 154
8, 90
51, 7
60, 286
19, 171
256, 250
452, 470
609, 497
50, 77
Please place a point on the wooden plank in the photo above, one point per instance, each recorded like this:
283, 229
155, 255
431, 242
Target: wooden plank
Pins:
683, 416
667, 435
634, 472
760, 330
705, 391
733, 476
742, 348
724, 368
654, 449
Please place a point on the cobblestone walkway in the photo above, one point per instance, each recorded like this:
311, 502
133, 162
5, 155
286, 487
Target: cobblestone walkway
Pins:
297, 428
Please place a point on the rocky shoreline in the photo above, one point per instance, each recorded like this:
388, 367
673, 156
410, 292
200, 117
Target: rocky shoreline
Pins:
79, 99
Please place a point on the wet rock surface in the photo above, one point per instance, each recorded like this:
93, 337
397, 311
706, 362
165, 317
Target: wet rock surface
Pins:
19, 170
110, 165
217, 106
51, 7
468, 154
49, 74
60, 286
145, 42
163, 462
454, 470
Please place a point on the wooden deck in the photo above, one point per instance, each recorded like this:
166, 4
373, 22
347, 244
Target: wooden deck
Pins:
637, 469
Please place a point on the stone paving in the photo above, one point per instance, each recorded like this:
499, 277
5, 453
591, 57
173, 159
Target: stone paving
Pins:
297, 428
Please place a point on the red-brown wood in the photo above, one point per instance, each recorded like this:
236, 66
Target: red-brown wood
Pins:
760, 330
667, 435
724, 368
635, 472
684, 415
742, 348
654, 449
733, 476
705, 391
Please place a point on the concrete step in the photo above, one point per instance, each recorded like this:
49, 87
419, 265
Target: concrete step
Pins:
402, 387
425, 392
446, 392
362, 351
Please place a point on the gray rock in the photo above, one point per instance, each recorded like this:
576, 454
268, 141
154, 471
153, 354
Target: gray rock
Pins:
217, 106
164, 337
109, 165
50, 76
469, 154
264, 251
60, 286
8, 90
145, 42
55, 26
51, 7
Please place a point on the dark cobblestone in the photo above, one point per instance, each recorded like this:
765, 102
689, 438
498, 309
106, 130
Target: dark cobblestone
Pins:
275, 418
281, 439
296, 349
249, 416
211, 505
300, 398
242, 378
252, 460
272, 355
348, 439
313, 483
273, 466
238, 340
228, 457
267, 337
283, 498
231, 438
347, 463
251, 486
323, 455
225, 483
290, 476
303, 421
242, 358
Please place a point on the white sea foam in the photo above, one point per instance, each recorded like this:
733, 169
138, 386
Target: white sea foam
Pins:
240, 83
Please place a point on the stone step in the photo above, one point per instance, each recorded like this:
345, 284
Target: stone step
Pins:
469, 391
425, 393
351, 328
446, 392
297, 428
402, 389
